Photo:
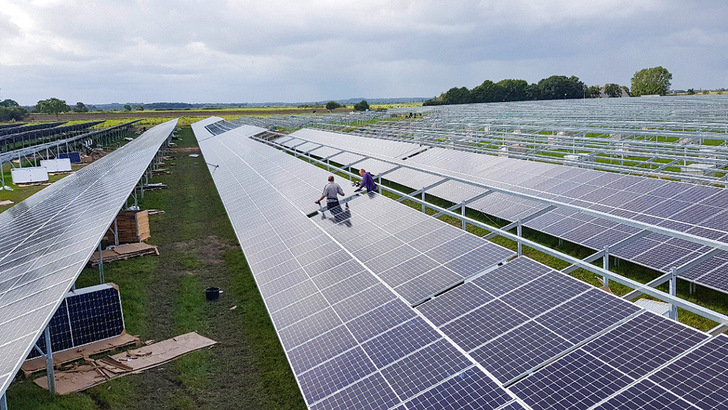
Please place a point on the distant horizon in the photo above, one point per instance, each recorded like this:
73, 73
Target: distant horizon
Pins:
392, 100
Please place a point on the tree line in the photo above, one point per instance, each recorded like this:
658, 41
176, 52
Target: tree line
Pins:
655, 80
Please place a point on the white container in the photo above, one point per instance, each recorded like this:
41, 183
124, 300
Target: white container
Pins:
29, 175
56, 165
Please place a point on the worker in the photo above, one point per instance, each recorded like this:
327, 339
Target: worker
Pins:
331, 190
366, 182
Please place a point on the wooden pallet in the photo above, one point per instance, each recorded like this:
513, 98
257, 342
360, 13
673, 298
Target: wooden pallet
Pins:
123, 252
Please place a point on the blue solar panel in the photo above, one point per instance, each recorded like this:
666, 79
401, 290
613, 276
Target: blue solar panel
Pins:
408, 377
483, 324
586, 315
575, 381
334, 374
372, 393
454, 303
644, 343
511, 275
400, 341
320, 349
471, 389
379, 320
75, 157
85, 316
699, 376
644, 395
520, 350
546, 292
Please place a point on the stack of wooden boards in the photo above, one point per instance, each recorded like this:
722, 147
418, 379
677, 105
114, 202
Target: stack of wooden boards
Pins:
132, 226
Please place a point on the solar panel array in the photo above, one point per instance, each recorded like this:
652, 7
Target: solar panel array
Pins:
44, 133
48, 238
693, 209
85, 316
416, 255
350, 340
332, 285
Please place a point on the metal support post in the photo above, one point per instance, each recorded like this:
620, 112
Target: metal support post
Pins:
116, 231
423, 199
605, 264
49, 362
141, 187
4, 402
462, 212
519, 232
673, 291
101, 265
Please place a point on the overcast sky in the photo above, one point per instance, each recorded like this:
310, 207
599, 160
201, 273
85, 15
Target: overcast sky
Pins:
104, 51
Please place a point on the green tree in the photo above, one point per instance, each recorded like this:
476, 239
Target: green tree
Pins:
362, 105
127, 107
457, 96
52, 106
594, 91
485, 92
10, 110
512, 90
332, 105
9, 103
691, 91
559, 87
80, 107
613, 90
655, 80
139, 108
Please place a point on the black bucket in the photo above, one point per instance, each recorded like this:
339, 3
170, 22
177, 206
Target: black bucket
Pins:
212, 293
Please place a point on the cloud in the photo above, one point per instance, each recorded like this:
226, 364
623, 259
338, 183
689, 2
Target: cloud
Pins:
234, 50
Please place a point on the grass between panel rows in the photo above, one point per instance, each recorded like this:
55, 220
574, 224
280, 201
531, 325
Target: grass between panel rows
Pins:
164, 296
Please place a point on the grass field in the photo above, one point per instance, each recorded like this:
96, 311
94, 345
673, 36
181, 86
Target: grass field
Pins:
164, 296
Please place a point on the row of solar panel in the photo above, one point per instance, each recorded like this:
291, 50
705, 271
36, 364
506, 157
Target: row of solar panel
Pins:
535, 307
49, 237
653, 250
350, 341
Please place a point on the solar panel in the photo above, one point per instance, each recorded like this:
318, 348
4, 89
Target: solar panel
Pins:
644, 343
394, 149
349, 339
511, 275
699, 376
578, 380
462, 391
586, 315
49, 237
483, 324
86, 315
645, 395
520, 350
419, 261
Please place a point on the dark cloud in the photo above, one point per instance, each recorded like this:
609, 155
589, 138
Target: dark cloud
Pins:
274, 50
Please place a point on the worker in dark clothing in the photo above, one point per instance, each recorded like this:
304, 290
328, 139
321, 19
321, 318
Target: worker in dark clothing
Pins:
331, 190
366, 182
